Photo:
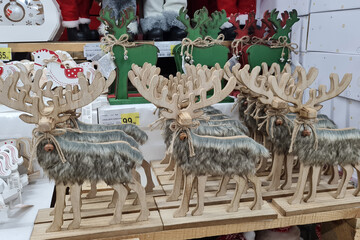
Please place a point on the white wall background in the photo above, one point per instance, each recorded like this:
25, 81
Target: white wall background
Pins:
328, 36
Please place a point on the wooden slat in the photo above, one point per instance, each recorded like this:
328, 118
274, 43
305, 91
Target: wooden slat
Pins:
323, 202
64, 46
222, 229
99, 227
215, 215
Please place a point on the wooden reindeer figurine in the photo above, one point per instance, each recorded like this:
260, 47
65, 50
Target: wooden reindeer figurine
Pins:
316, 147
257, 53
199, 156
73, 162
124, 52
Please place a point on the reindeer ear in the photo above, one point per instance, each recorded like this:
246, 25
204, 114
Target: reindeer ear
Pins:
28, 118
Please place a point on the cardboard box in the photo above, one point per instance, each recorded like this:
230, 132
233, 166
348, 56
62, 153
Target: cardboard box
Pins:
331, 5
301, 6
337, 32
335, 63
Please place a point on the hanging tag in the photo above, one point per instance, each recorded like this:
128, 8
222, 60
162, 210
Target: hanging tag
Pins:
106, 65
97, 56
233, 61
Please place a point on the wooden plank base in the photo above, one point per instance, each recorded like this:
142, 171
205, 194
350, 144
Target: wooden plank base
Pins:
91, 210
323, 202
99, 227
214, 215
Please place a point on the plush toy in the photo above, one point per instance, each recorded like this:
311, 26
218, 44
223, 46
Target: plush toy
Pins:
160, 17
76, 19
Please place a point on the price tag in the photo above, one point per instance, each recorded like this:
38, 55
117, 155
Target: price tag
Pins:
5, 54
172, 50
133, 118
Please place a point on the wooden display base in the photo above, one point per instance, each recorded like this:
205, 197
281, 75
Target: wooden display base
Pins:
214, 215
323, 202
214, 221
98, 227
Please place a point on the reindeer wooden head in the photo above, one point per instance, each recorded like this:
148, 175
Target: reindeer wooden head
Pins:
117, 28
147, 84
283, 26
294, 93
29, 98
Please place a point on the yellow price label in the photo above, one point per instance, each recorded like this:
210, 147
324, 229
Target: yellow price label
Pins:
172, 49
133, 118
5, 54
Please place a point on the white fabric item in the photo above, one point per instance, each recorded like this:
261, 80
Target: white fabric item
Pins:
84, 20
70, 24
153, 8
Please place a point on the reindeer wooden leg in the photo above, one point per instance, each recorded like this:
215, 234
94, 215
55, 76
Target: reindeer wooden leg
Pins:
144, 211
341, 191
262, 165
176, 191
76, 205
300, 186
272, 169
136, 177
200, 191
166, 158
93, 190
277, 166
313, 184
184, 207
193, 188
239, 189
149, 182
357, 168
114, 200
258, 201
223, 186
334, 179
171, 165
288, 171
59, 208
172, 176
122, 193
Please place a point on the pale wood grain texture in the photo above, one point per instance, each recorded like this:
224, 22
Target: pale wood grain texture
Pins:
323, 202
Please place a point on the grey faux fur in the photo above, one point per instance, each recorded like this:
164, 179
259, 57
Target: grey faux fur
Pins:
149, 23
118, 6
336, 146
99, 137
171, 19
110, 162
219, 155
280, 135
134, 131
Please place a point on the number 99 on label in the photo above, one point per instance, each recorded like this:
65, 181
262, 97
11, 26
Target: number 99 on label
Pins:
130, 118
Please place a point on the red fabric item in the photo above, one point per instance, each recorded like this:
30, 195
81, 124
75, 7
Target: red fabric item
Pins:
236, 236
84, 7
192, 6
71, 10
284, 229
236, 6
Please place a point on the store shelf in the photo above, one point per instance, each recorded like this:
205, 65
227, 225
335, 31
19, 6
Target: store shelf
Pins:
215, 220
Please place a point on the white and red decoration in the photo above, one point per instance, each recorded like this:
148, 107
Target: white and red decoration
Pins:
61, 70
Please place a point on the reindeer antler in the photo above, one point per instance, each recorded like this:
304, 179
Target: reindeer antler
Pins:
48, 115
280, 28
318, 96
294, 94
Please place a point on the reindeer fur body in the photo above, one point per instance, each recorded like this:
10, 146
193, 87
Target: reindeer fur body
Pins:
340, 146
134, 131
90, 161
219, 155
